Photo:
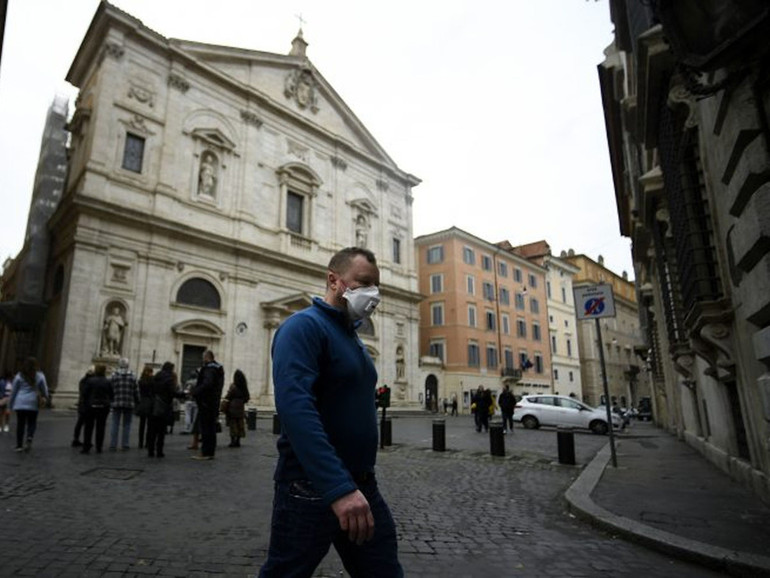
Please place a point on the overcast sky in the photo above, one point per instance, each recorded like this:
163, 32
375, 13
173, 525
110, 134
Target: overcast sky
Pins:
495, 105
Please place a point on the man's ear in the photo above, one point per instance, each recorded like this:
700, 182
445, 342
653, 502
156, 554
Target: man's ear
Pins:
331, 280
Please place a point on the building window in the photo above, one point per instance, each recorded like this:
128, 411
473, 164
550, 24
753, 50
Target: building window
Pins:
502, 269
294, 212
486, 262
556, 374
536, 331
436, 255
491, 356
517, 275
563, 295
133, 153
437, 350
470, 282
199, 293
548, 289
553, 343
505, 296
436, 283
521, 328
519, 301
508, 358
437, 314
491, 325
566, 323
571, 376
473, 354
532, 281
472, 315
469, 257
534, 305
488, 291
506, 321
569, 348
523, 360
538, 363
396, 251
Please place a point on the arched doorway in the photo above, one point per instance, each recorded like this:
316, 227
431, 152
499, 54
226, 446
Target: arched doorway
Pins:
431, 393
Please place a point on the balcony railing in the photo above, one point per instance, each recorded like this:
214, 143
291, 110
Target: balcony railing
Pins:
510, 372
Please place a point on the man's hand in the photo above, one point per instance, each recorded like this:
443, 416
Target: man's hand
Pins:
352, 510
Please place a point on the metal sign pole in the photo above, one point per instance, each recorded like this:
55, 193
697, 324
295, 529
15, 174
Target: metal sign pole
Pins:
606, 395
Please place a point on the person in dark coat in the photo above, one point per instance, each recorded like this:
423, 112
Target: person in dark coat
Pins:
507, 403
97, 397
163, 390
207, 393
237, 396
145, 394
76, 443
483, 403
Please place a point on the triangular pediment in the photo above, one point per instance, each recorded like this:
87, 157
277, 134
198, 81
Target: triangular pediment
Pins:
214, 137
289, 304
292, 83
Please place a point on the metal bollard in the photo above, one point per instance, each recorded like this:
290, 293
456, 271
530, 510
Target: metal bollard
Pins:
565, 440
251, 418
276, 424
496, 439
387, 432
439, 435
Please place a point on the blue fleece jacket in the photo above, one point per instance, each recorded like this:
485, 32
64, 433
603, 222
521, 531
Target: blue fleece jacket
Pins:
324, 393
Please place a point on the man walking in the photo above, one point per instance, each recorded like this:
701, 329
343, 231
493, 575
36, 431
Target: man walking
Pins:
207, 392
326, 492
125, 398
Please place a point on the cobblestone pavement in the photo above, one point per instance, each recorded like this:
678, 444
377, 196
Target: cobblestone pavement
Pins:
459, 513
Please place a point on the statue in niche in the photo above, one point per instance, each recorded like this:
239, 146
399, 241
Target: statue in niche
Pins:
361, 231
207, 175
400, 364
113, 330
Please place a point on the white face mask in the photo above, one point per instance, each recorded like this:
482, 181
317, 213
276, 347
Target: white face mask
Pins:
361, 301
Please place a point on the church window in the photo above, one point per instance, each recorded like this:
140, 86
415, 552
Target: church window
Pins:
294, 208
199, 293
133, 153
396, 250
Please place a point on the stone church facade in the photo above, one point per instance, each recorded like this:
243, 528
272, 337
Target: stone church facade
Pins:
207, 189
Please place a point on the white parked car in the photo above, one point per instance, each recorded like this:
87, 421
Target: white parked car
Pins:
559, 410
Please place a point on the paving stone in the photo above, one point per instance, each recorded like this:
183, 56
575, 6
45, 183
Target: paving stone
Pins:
458, 513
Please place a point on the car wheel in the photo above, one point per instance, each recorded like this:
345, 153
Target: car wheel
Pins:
599, 427
530, 422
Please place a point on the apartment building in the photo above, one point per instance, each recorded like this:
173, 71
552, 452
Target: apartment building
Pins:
484, 316
562, 323
621, 338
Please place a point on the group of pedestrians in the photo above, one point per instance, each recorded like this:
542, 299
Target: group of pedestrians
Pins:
484, 405
152, 398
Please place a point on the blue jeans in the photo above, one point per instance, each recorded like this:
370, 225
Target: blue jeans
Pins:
303, 528
125, 414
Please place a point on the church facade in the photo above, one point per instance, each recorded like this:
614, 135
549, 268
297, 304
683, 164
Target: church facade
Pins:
207, 189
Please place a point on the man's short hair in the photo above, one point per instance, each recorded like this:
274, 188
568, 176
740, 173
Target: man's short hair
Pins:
208, 354
123, 363
340, 262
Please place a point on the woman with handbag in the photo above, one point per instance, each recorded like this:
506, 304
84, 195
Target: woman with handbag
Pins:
144, 408
163, 389
235, 408
96, 398
28, 392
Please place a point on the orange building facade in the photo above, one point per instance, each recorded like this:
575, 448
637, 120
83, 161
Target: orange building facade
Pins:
484, 315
